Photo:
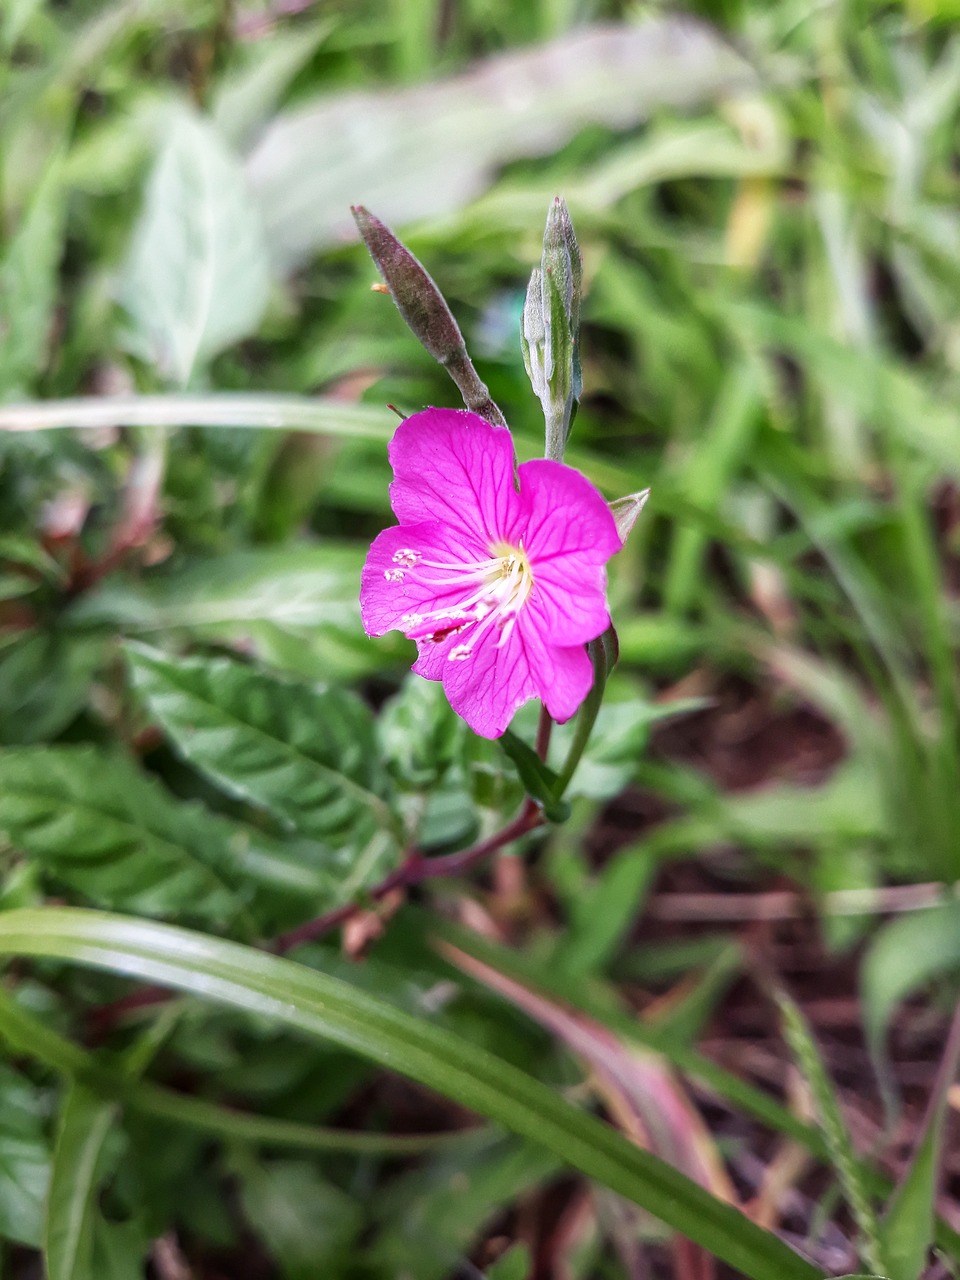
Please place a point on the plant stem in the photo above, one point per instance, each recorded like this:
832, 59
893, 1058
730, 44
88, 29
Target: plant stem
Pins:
587, 716
412, 871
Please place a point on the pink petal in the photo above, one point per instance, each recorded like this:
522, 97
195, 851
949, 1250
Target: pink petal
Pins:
569, 534
568, 604
389, 590
561, 674
487, 688
564, 515
451, 465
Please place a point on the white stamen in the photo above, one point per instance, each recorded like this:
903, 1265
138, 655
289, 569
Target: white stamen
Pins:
495, 590
407, 557
393, 575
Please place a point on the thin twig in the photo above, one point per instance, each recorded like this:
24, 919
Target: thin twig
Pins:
787, 905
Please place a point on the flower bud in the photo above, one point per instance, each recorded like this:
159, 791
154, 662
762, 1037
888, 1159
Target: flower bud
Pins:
425, 310
550, 327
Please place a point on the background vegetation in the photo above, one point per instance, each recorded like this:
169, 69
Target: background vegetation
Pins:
196, 731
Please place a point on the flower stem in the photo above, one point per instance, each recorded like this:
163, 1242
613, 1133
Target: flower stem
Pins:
587, 716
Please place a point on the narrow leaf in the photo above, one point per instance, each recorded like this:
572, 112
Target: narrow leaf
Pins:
28, 283
905, 955
538, 780
647, 1101
85, 1124
331, 1009
908, 1227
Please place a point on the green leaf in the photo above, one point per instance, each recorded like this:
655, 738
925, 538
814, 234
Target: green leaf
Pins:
515, 1264
422, 735
538, 779
71, 1218
906, 954
287, 605
119, 1249
196, 279
909, 1225
308, 756
45, 680
98, 824
28, 286
24, 1160
602, 1004
447, 1201
332, 1010
307, 1223
618, 742
318, 158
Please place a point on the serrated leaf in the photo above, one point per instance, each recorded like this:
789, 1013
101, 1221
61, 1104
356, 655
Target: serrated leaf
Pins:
309, 756
421, 734
71, 1217
279, 602
99, 825
196, 279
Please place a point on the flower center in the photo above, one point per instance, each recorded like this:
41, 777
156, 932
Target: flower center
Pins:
495, 590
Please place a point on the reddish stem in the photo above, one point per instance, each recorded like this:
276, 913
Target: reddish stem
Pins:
412, 871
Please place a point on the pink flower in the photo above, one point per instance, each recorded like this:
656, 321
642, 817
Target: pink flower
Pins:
500, 589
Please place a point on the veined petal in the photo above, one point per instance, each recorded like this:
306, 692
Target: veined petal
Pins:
561, 674
453, 466
396, 583
499, 588
568, 603
486, 688
564, 515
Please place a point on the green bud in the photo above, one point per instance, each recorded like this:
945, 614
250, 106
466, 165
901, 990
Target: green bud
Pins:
626, 510
550, 327
425, 310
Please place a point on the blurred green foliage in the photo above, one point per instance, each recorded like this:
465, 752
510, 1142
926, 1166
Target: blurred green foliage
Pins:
767, 198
